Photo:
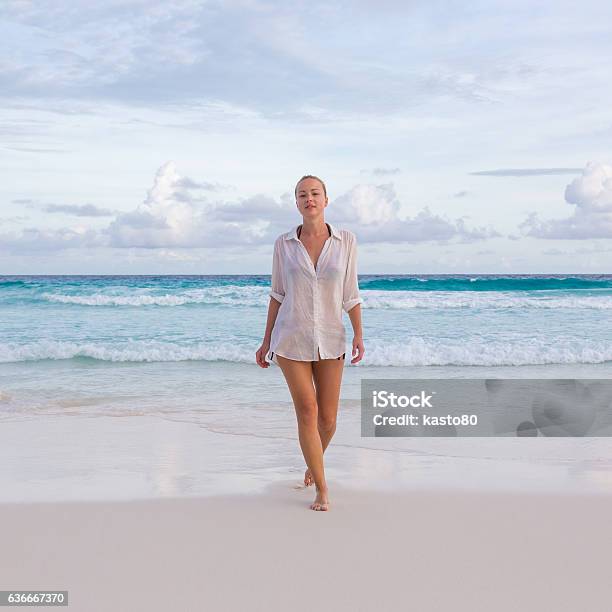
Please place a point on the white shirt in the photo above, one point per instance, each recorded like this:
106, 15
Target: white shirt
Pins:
310, 314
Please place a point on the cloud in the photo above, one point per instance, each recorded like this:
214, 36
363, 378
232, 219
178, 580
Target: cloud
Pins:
79, 210
591, 194
123, 51
34, 150
166, 218
555, 252
594, 250
460, 194
385, 171
32, 240
526, 172
593, 190
581, 251
373, 213
173, 216
188, 183
15, 219
258, 208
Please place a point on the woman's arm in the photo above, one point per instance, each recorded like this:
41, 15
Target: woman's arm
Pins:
351, 302
273, 308
358, 346
277, 295
262, 351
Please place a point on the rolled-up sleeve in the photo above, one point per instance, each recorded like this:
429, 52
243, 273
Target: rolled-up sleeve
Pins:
278, 289
350, 296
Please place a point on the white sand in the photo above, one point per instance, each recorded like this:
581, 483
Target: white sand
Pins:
406, 551
56, 458
479, 537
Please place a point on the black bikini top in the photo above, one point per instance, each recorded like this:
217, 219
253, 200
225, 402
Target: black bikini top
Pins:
299, 230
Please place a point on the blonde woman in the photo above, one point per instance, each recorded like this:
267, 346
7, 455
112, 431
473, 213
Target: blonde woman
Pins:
314, 278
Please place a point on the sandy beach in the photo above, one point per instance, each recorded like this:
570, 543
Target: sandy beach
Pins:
142, 513
416, 551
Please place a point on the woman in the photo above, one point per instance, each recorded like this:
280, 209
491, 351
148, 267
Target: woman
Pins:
314, 277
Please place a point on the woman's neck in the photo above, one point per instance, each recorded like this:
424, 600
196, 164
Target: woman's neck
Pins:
314, 228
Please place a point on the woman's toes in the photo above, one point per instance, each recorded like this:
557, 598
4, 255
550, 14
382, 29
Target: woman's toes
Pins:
307, 478
319, 506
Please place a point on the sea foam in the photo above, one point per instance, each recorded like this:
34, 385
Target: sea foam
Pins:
394, 300
414, 352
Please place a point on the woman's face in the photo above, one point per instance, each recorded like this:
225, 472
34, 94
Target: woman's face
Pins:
311, 199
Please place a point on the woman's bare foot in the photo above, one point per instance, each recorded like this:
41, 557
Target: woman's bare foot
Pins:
308, 479
321, 501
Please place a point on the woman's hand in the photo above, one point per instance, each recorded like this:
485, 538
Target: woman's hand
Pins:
358, 349
260, 355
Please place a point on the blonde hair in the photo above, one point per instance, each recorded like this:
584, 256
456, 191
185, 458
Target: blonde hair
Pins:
311, 176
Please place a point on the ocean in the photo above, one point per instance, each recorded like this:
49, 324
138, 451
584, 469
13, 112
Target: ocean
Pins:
181, 350
115, 328
408, 320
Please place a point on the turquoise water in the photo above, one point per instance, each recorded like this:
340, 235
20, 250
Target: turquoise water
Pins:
408, 320
136, 344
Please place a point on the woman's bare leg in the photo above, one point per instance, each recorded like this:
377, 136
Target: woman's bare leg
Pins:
299, 377
327, 374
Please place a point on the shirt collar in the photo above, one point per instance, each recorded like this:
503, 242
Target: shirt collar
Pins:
292, 235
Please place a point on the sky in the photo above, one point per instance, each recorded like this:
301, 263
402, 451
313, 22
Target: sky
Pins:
144, 137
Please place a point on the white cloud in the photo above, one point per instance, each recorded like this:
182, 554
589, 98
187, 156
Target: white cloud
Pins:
175, 215
358, 58
79, 210
367, 204
591, 194
526, 172
593, 190
596, 250
168, 217
167, 220
373, 212
385, 171
31, 240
